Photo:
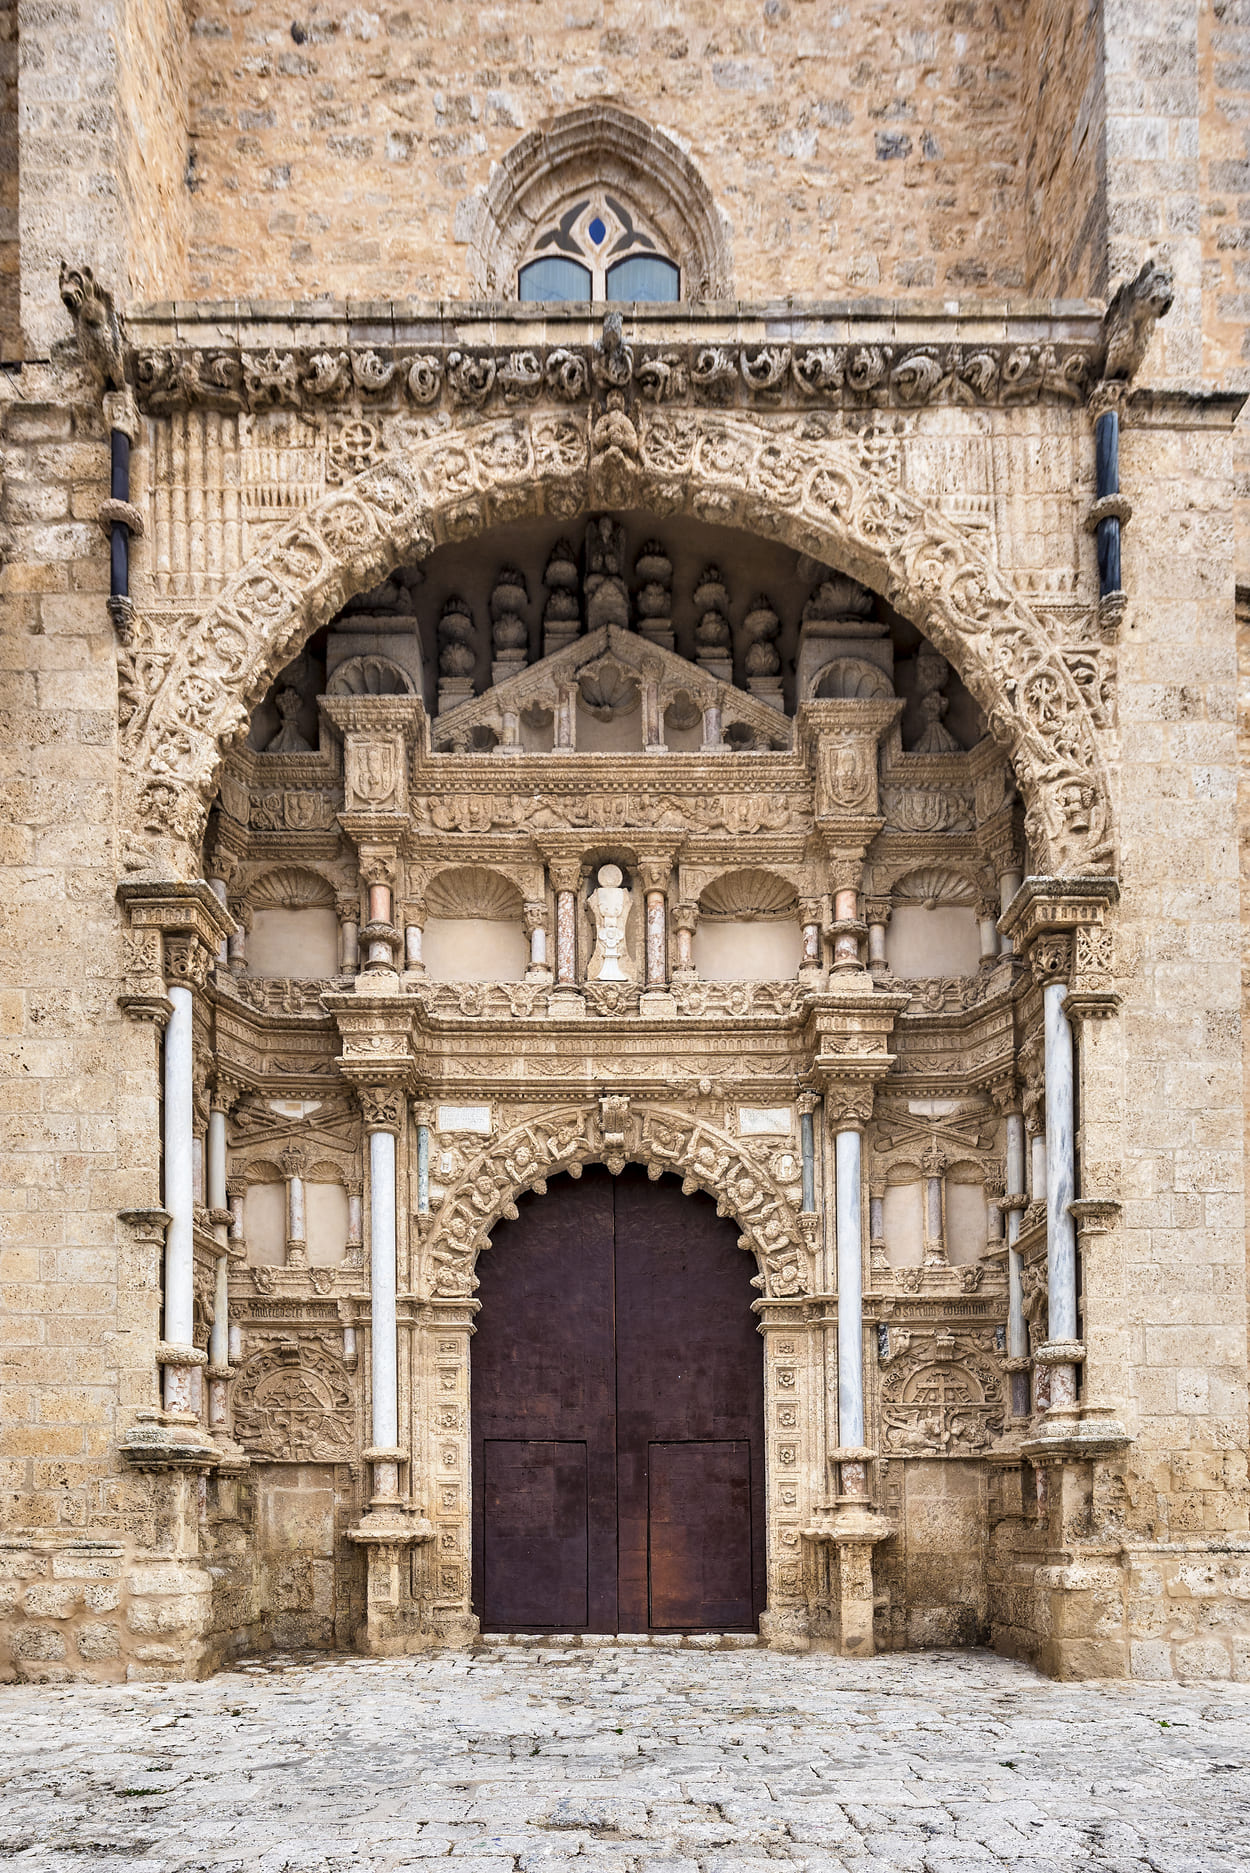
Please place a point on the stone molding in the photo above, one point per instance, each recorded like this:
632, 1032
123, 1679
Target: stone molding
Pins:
879, 372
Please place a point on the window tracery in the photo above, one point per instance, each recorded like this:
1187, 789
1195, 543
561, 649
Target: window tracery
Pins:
597, 248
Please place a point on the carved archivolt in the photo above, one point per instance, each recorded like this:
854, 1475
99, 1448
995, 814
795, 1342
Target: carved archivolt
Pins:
778, 478
570, 1137
597, 146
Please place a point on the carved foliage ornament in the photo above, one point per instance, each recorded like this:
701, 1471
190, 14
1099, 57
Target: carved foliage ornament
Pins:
812, 492
567, 1139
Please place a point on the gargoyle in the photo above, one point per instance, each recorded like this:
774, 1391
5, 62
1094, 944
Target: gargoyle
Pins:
90, 305
1131, 318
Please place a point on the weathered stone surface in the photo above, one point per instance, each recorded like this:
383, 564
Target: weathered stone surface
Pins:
690, 1762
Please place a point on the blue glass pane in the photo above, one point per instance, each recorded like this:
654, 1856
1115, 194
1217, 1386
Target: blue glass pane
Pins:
645, 277
597, 230
554, 278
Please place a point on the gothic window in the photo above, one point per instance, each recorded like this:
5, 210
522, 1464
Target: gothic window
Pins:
597, 249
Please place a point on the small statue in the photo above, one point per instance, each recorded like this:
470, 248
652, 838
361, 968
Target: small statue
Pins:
288, 739
609, 905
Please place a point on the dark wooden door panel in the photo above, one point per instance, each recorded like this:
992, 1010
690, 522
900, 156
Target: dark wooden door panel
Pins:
690, 1368
700, 1536
615, 1322
544, 1366
534, 1550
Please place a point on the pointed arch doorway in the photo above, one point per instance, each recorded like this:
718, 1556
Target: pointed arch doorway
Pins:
618, 1415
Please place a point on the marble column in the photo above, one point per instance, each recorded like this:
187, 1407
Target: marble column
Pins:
186, 964
1017, 1325
565, 737
293, 1166
654, 875
811, 956
685, 923
422, 1116
348, 906
1061, 1324
380, 933
848, 1115
383, 1112
536, 930
565, 881
877, 917
807, 1146
987, 927
1009, 882
219, 1372
414, 933
712, 742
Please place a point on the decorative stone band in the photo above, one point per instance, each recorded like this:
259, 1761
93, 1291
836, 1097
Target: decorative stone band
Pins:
1110, 507
385, 1453
168, 1354
121, 514
718, 368
1060, 1353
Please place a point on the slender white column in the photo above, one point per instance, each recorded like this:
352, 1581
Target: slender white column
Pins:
850, 1290
1008, 884
296, 1227
385, 1394
657, 940
179, 1195
219, 1338
1017, 1326
566, 938
1060, 1186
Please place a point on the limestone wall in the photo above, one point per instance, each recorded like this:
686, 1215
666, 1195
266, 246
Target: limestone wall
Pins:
1066, 176
867, 149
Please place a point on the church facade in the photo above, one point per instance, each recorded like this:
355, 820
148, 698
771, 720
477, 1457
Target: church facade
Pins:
621, 980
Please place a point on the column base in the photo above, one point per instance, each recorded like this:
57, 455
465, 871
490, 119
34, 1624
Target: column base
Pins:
658, 1003
566, 1004
168, 1441
844, 1534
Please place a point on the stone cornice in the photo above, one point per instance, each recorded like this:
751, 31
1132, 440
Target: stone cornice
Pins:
857, 355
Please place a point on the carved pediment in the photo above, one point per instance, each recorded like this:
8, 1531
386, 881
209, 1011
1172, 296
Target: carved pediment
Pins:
602, 666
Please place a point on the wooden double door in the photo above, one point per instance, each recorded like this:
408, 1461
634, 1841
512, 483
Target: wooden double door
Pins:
618, 1415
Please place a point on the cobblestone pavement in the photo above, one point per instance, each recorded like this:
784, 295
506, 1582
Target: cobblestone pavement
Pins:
668, 1758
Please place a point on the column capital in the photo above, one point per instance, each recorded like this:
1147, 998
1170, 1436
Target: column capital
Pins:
382, 1108
848, 1104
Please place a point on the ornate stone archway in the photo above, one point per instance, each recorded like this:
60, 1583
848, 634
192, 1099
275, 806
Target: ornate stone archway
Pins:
803, 481
568, 1137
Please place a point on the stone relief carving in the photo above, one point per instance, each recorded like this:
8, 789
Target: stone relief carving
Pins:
835, 377
294, 1403
723, 465
943, 1396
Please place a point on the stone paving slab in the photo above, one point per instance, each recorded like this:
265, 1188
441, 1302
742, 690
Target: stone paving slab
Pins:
612, 1759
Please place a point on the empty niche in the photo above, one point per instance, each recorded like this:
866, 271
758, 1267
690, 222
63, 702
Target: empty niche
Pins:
474, 928
748, 929
264, 1224
902, 1217
933, 926
325, 1219
295, 927
967, 1219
